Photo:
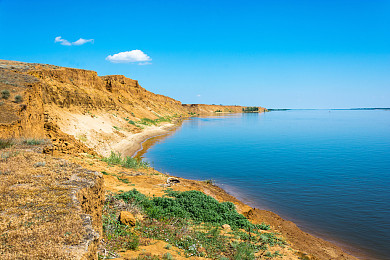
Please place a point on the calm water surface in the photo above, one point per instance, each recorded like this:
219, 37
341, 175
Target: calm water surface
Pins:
328, 171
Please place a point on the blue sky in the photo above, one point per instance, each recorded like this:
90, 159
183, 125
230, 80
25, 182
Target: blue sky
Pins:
277, 54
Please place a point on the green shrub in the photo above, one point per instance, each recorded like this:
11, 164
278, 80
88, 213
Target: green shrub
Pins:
114, 158
5, 94
18, 98
127, 162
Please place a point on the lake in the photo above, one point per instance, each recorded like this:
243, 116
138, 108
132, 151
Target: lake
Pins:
326, 170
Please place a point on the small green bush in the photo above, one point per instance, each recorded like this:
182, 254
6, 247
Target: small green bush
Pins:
18, 98
114, 158
5, 94
127, 162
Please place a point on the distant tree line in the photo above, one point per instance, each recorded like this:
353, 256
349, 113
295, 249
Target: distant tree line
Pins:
250, 109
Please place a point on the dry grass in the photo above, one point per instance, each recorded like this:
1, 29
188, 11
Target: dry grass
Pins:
38, 217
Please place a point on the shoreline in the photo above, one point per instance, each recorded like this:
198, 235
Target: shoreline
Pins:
140, 138
300, 239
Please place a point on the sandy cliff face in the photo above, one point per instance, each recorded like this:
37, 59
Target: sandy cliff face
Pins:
78, 102
24, 118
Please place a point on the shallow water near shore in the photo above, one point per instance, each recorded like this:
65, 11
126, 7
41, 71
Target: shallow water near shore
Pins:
326, 170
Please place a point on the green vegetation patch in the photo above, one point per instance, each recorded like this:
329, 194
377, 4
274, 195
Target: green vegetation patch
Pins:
250, 109
193, 205
127, 162
149, 122
190, 221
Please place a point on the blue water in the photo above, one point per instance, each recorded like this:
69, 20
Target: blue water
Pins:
328, 171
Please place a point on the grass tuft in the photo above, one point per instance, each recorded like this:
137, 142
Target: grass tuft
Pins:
33, 141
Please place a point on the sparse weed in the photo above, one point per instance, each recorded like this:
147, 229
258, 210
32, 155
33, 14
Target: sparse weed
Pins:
33, 141
6, 155
168, 256
5, 143
123, 180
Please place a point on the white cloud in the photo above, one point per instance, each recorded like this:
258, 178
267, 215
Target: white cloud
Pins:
80, 41
130, 56
62, 41
198, 95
